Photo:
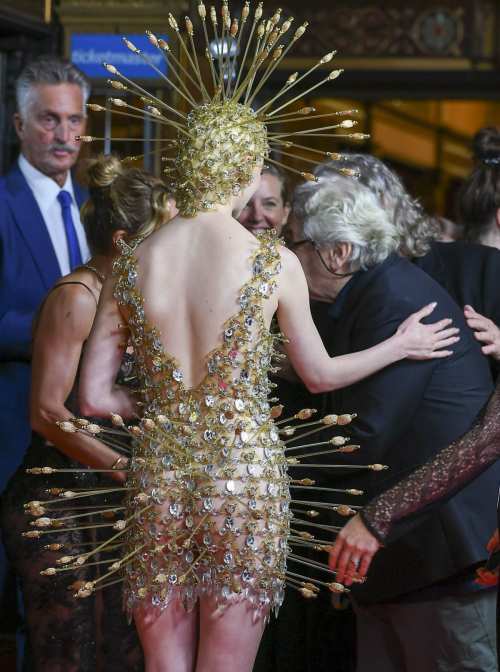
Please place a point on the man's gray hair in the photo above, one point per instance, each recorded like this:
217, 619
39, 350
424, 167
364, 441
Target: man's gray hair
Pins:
48, 69
344, 211
416, 229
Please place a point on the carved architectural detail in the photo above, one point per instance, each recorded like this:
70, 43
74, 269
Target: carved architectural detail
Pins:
387, 29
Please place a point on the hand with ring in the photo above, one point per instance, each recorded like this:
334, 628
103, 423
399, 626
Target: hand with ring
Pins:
353, 550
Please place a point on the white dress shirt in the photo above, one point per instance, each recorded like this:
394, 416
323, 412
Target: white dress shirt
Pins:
45, 190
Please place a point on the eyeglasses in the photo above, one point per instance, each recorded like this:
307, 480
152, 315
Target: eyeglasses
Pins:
318, 250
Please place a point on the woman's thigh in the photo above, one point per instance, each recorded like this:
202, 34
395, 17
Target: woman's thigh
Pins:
229, 641
169, 638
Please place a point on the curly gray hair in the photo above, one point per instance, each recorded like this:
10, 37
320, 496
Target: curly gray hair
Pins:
416, 230
48, 69
346, 211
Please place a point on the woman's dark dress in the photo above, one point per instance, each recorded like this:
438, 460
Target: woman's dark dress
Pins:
62, 632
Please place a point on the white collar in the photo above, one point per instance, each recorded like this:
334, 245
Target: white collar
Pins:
44, 188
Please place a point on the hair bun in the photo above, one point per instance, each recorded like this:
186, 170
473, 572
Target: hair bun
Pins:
486, 144
103, 171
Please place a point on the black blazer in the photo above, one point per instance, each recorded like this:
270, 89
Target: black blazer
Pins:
406, 414
470, 274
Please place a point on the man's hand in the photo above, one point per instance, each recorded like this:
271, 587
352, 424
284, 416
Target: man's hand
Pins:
485, 331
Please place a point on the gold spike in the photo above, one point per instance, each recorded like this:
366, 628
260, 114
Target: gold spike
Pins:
287, 144
195, 65
187, 96
173, 22
117, 85
347, 123
307, 593
111, 69
353, 136
281, 120
303, 158
344, 510
202, 10
138, 88
121, 103
307, 176
337, 587
303, 111
333, 75
305, 413
257, 15
301, 30
163, 47
292, 462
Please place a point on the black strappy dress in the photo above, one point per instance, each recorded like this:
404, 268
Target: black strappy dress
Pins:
63, 633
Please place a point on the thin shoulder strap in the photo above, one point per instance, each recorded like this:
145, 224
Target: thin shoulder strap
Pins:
73, 282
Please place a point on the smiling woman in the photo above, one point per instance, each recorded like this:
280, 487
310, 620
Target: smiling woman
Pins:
269, 207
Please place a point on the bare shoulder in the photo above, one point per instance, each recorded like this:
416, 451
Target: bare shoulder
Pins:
291, 264
70, 305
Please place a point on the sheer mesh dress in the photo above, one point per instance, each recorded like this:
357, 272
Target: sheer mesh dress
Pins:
391, 514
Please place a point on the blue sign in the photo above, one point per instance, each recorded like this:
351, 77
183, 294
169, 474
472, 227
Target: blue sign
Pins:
88, 52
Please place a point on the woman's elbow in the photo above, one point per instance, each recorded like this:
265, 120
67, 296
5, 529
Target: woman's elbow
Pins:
317, 386
89, 407
42, 419
91, 400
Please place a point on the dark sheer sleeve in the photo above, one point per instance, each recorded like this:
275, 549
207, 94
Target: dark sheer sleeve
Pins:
410, 502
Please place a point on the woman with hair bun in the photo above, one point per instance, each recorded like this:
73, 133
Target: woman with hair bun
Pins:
63, 633
480, 194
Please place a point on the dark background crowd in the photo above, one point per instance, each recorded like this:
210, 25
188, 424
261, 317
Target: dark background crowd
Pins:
374, 249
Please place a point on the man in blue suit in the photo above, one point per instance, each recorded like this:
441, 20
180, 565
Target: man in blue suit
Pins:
41, 236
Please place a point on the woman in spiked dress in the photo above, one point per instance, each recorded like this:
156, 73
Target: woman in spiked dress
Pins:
207, 511
61, 633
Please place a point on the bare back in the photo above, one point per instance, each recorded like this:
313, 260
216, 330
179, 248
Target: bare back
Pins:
190, 275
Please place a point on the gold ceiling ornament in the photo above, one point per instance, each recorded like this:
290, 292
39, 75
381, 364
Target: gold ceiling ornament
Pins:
222, 139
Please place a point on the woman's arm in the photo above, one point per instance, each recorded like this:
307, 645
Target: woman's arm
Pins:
63, 326
99, 395
322, 373
410, 502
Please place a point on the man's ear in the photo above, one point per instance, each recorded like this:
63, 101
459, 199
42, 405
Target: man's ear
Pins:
338, 255
286, 212
19, 125
497, 218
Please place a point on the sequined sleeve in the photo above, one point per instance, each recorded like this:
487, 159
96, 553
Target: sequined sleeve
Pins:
393, 513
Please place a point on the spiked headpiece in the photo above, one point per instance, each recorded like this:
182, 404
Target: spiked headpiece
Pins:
223, 138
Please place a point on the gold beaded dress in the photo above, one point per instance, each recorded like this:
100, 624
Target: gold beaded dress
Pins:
207, 496
207, 505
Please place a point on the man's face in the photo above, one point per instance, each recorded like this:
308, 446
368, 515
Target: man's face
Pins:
53, 119
265, 210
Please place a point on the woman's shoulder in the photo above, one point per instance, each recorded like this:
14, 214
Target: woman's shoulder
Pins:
74, 291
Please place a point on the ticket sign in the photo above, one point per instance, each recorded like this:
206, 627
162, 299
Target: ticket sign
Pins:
88, 52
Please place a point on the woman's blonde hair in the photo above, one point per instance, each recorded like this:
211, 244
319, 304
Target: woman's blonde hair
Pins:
121, 197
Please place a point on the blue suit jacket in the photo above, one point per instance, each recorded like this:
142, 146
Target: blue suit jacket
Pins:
28, 269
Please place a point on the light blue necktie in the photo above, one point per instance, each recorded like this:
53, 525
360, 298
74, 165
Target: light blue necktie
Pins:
75, 256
